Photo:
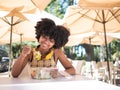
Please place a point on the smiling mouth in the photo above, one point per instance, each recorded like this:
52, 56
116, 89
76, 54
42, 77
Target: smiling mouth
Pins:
43, 45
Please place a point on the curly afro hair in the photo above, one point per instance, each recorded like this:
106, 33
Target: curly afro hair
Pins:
47, 27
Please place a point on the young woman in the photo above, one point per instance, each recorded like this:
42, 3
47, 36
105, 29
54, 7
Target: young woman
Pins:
51, 38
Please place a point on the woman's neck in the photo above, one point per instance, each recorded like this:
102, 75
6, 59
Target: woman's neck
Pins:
44, 52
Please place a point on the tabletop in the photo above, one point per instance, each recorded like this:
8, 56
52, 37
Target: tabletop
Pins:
75, 82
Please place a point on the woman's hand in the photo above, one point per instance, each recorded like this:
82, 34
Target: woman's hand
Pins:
27, 50
54, 72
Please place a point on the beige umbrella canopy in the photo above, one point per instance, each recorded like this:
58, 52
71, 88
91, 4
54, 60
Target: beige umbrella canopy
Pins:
16, 23
29, 6
99, 4
97, 39
88, 38
23, 31
80, 20
76, 39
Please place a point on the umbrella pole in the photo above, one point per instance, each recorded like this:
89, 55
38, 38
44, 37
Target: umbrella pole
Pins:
108, 68
21, 42
10, 52
90, 58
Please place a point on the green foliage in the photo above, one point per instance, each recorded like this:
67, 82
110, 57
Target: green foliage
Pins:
58, 7
114, 49
115, 45
15, 49
115, 55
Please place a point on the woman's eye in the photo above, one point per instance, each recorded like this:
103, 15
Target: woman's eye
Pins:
45, 37
52, 40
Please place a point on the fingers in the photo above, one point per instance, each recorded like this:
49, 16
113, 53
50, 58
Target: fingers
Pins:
27, 50
54, 73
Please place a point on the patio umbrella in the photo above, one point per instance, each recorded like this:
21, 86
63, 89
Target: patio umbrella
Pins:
109, 17
29, 6
13, 21
82, 20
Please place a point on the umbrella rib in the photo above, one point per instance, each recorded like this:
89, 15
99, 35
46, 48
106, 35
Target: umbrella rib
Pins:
79, 17
34, 3
114, 15
18, 21
89, 17
3, 34
97, 12
6, 20
109, 18
105, 17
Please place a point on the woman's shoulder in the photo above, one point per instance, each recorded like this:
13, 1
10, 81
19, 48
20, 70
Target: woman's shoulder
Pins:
58, 50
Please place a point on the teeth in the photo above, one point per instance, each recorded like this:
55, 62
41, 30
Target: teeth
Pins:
44, 45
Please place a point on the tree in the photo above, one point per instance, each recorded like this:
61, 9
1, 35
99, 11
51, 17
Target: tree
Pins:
58, 7
115, 49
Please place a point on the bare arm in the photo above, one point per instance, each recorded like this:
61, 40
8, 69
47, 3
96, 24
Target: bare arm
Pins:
65, 62
21, 61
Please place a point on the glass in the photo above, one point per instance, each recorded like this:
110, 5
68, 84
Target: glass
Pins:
43, 72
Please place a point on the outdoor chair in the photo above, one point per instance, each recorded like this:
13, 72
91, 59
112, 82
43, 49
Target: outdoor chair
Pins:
103, 71
78, 64
116, 75
90, 68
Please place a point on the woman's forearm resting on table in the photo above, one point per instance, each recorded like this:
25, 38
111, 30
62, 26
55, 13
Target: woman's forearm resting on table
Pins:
70, 70
19, 65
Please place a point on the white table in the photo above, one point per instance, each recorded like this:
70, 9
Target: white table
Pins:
75, 83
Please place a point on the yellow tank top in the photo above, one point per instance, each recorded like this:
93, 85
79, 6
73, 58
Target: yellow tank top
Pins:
48, 61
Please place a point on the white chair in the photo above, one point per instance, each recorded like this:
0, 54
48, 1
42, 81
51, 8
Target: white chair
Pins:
78, 65
116, 75
90, 68
103, 70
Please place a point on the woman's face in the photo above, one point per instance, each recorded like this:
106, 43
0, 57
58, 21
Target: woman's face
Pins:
46, 42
